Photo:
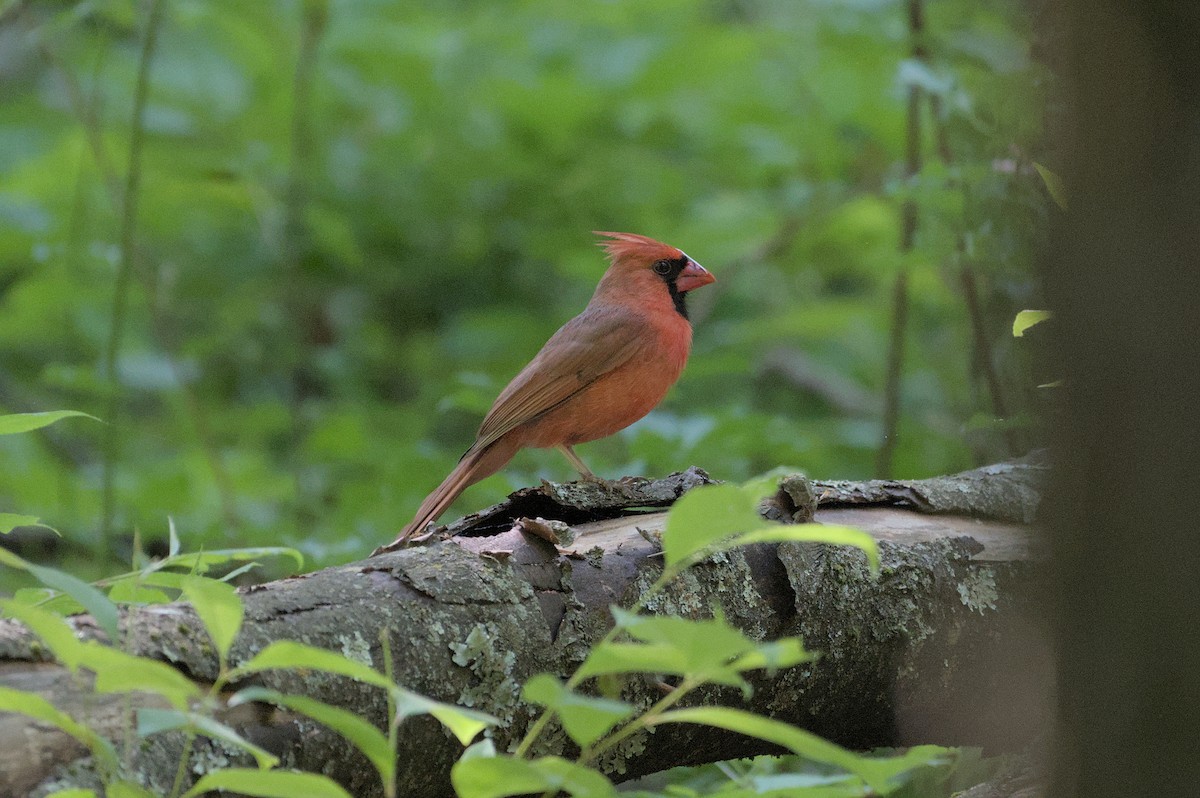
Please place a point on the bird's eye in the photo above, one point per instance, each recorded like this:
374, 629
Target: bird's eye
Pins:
662, 267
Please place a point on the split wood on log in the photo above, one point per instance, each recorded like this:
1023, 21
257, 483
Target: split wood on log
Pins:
945, 646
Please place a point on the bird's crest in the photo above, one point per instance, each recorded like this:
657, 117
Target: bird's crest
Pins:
623, 246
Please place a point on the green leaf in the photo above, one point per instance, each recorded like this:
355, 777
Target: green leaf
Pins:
153, 720
1026, 319
172, 538
773, 655
96, 603
73, 793
704, 516
119, 672
25, 422
289, 655
585, 718
200, 561
52, 629
91, 599
268, 784
126, 789
875, 772
10, 521
710, 650
362, 734
613, 658
132, 591
34, 706
497, 777
219, 607
463, 723
1054, 185
810, 533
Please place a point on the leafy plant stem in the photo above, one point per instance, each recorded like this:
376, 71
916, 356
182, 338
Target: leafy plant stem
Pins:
181, 771
646, 720
129, 210
389, 670
539, 725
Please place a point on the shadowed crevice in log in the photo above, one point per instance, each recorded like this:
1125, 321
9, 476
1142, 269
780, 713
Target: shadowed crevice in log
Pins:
580, 502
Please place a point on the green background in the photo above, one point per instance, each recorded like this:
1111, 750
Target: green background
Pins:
357, 220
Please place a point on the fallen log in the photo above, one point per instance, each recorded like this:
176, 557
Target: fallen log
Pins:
945, 646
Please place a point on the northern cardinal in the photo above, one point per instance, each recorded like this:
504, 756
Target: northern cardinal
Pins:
602, 370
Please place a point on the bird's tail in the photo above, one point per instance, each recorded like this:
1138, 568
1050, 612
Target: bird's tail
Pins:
474, 466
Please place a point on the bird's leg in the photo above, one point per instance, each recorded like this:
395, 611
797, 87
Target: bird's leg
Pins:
583, 470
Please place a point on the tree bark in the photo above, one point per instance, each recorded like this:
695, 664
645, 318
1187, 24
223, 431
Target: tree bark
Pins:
944, 646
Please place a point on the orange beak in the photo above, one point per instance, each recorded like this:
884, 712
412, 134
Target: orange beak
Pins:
693, 276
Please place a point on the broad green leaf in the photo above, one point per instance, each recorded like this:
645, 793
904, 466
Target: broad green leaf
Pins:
463, 723
74, 793
10, 521
482, 749
704, 516
52, 629
119, 672
711, 650
91, 599
153, 720
34, 706
200, 561
585, 718
219, 607
37, 596
290, 655
268, 784
132, 591
633, 658
875, 772
773, 655
96, 603
810, 533
362, 734
126, 789
25, 422
501, 776
1054, 185
1026, 319
12, 560
49, 600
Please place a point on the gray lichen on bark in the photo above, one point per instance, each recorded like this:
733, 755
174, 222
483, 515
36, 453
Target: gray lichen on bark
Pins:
900, 655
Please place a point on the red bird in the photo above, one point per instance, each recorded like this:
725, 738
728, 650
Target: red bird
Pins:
602, 370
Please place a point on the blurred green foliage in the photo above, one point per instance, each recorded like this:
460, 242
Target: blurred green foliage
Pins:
359, 218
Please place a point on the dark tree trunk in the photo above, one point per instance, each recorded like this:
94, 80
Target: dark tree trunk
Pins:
1124, 281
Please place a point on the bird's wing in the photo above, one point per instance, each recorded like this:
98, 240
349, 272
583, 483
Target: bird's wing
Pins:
584, 349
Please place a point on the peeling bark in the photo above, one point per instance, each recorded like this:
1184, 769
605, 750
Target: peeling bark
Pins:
943, 647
